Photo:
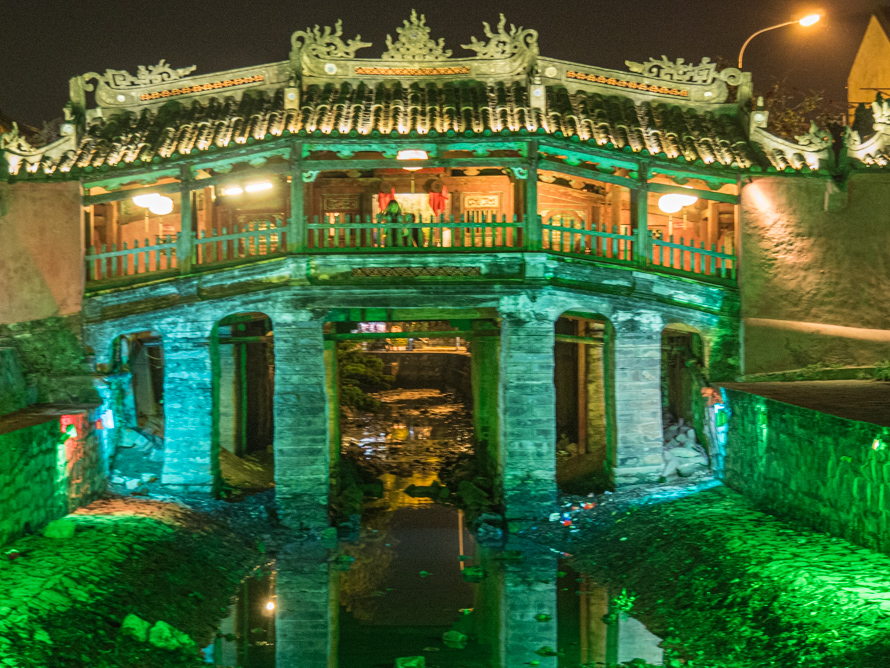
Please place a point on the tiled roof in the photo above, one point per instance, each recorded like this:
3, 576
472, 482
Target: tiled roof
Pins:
666, 130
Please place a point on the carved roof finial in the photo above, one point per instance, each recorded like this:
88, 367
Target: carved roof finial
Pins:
414, 42
327, 43
503, 44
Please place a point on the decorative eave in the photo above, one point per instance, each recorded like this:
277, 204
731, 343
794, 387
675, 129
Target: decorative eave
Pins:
874, 151
810, 152
21, 157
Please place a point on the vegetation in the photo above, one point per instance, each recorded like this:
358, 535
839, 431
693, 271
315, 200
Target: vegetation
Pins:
882, 371
791, 111
358, 375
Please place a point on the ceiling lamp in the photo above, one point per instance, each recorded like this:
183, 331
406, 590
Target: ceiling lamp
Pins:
258, 187
161, 206
233, 190
157, 204
145, 200
412, 154
673, 202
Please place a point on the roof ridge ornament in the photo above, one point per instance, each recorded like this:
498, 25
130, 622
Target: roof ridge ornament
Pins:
414, 42
503, 44
145, 76
680, 71
15, 142
326, 44
814, 137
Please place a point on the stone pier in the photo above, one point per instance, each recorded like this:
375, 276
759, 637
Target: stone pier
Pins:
302, 442
190, 450
527, 413
638, 456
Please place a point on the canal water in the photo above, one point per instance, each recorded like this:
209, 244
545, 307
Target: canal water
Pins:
414, 587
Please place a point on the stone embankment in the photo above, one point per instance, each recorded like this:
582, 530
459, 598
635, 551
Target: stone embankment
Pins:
734, 584
66, 593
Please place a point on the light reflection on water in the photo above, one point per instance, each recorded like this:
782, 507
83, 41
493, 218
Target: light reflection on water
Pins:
402, 585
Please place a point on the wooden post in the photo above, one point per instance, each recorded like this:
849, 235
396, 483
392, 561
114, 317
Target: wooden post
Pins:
185, 242
639, 211
534, 241
296, 227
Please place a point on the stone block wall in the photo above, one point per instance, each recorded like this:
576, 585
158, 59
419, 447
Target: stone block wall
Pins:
638, 456
827, 472
13, 393
41, 479
527, 416
52, 360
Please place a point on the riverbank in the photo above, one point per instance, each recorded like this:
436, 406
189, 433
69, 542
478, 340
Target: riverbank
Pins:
63, 600
733, 583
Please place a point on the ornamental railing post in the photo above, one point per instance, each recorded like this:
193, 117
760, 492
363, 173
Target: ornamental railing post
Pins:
296, 225
639, 208
533, 231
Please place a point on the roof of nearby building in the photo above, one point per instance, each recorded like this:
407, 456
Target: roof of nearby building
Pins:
673, 111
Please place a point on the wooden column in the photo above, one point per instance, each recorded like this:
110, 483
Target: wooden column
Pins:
185, 242
639, 211
533, 231
296, 230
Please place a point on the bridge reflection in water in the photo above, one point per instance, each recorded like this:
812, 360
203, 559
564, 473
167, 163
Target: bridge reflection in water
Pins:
405, 589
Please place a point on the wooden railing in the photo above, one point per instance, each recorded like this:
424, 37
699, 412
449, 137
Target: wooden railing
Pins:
103, 263
571, 237
272, 235
252, 239
406, 233
692, 259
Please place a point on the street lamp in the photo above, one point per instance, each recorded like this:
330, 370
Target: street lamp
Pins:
805, 21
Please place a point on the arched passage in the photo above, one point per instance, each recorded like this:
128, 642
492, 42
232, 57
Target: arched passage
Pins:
244, 387
683, 376
583, 377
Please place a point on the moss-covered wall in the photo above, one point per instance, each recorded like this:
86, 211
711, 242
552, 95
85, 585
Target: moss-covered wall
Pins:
52, 359
13, 393
811, 467
814, 271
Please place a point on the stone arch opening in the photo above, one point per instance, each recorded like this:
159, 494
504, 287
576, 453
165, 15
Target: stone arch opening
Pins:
417, 401
584, 381
243, 372
683, 376
132, 415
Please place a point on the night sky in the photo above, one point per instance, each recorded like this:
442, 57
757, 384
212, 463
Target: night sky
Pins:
44, 43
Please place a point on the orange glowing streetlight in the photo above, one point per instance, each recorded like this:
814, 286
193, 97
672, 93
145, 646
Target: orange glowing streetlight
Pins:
806, 21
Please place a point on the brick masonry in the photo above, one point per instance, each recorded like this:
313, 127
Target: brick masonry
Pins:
638, 456
527, 414
302, 454
812, 467
191, 457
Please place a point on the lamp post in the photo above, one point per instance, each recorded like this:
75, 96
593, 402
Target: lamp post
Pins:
805, 21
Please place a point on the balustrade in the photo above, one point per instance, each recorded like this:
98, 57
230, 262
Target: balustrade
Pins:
272, 235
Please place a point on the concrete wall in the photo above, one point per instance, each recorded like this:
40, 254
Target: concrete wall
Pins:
811, 467
41, 250
814, 281
41, 480
438, 369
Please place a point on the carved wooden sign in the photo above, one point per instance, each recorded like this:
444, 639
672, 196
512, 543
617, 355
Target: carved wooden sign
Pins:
482, 201
342, 202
